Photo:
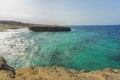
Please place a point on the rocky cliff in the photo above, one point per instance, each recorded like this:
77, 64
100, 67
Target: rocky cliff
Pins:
54, 73
59, 73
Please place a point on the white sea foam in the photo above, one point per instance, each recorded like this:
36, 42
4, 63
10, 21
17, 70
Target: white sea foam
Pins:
11, 32
4, 35
18, 30
12, 46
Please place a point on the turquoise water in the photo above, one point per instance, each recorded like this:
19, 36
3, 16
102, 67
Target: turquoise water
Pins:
85, 47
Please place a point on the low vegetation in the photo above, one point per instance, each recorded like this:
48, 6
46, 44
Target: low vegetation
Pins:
4, 25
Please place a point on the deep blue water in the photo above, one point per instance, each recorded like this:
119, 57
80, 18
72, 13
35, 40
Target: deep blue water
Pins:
85, 47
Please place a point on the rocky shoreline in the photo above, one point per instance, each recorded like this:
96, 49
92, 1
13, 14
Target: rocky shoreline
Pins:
50, 73
54, 73
59, 73
5, 25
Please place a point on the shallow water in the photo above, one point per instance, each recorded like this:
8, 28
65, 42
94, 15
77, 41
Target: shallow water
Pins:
85, 47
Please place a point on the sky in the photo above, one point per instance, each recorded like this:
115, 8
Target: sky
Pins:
62, 12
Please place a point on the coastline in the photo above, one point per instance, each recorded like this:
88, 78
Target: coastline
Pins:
39, 28
60, 73
5, 25
54, 73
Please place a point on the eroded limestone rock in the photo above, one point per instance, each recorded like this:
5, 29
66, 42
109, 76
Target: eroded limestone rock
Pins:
4, 66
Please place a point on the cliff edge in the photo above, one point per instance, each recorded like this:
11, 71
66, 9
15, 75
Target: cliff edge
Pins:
54, 73
59, 73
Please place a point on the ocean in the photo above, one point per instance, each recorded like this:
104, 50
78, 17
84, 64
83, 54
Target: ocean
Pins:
85, 47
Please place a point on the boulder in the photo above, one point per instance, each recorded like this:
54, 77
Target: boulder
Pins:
4, 66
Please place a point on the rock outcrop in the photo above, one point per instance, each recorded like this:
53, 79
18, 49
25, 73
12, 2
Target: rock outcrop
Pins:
6, 68
49, 28
60, 73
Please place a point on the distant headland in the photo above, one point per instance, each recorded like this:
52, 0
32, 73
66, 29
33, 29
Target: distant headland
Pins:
4, 25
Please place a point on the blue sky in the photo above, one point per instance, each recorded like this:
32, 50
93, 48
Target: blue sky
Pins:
62, 12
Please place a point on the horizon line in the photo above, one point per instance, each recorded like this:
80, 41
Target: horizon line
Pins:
63, 24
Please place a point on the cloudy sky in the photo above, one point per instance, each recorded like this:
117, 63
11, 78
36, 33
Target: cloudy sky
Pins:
62, 12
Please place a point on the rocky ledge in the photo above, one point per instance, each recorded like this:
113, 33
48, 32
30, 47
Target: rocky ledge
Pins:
54, 73
59, 73
49, 28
